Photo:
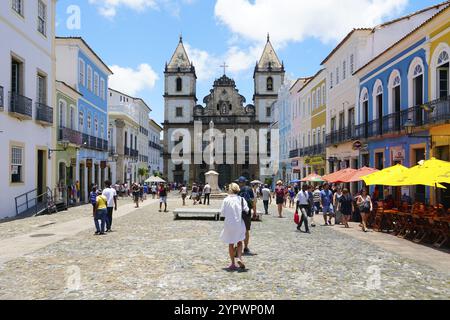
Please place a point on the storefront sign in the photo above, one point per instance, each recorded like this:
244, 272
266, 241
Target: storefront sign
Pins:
294, 163
88, 163
297, 171
316, 161
357, 145
398, 154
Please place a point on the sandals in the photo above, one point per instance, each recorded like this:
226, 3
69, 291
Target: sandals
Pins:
241, 264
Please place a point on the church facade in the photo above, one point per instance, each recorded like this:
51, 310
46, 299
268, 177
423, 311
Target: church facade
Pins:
186, 122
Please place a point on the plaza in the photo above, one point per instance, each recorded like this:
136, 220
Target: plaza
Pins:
151, 256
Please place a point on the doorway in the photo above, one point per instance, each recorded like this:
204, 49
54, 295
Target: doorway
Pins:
41, 183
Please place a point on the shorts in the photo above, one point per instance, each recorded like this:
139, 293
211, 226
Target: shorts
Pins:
328, 210
280, 200
163, 199
365, 211
248, 221
183, 195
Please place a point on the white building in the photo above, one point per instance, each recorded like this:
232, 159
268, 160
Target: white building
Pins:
27, 101
155, 158
128, 136
358, 48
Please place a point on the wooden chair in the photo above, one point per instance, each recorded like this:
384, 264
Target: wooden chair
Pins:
378, 220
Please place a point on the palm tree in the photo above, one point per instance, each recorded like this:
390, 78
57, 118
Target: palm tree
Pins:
143, 172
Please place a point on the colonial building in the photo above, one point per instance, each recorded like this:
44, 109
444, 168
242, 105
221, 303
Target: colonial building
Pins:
155, 148
225, 108
27, 103
128, 136
308, 148
82, 69
408, 85
359, 47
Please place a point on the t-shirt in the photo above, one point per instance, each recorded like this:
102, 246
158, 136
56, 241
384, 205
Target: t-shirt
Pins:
183, 190
207, 189
303, 198
110, 193
316, 196
326, 196
266, 194
280, 192
291, 193
247, 194
93, 197
102, 202
162, 192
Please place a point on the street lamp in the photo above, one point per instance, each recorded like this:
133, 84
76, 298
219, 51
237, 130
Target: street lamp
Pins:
65, 145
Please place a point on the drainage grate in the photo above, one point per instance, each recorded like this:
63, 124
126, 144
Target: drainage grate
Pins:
44, 235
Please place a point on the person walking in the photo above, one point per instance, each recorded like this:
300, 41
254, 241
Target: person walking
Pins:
154, 191
194, 193
255, 202
311, 211
111, 198
100, 214
316, 200
345, 206
291, 194
326, 198
364, 202
135, 189
93, 198
207, 192
162, 197
303, 204
183, 192
247, 193
267, 198
337, 213
280, 194
234, 231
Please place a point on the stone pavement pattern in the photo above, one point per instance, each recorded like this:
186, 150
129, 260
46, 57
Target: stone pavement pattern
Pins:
151, 256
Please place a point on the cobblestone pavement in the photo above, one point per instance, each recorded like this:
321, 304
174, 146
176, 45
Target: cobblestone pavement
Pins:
151, 256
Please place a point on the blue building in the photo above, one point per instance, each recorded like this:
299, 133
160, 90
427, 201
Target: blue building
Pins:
81, 68
393, 91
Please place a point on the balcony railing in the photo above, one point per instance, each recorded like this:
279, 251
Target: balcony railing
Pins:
72, 136
154, 145
341, 135
20, 105
94, 143
294, 153
126, 151
143, 131
44, 113
317, 149
2, 102
134, 153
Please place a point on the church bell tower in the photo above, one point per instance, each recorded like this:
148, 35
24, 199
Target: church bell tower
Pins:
268, 78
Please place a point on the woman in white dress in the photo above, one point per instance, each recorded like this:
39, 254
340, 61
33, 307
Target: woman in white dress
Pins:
234, 229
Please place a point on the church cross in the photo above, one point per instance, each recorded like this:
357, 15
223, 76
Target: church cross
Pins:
224, 66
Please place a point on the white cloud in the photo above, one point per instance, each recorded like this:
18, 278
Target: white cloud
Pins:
293, 21
131, 81
108, 8
208, 65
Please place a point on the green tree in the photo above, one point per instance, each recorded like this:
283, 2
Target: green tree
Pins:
143, 172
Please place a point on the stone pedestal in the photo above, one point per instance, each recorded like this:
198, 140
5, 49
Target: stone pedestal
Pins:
212, 178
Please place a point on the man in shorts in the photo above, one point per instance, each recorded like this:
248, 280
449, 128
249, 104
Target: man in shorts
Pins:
326, 199
248, 195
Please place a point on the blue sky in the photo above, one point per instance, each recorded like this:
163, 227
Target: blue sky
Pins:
137, 37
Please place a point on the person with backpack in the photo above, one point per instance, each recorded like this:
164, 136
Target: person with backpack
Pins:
247, 193
326, 198
280, 195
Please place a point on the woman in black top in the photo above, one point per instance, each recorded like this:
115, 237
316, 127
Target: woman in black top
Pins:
345, 206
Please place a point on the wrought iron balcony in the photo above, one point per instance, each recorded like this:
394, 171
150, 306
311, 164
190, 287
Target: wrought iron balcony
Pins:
44, 114
127, 151
134, 153
342, 135
72, 136
2, 102
154, 145
94, 143
20, 106
294, 153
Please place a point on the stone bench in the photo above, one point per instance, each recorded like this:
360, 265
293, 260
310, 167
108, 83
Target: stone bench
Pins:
197, 212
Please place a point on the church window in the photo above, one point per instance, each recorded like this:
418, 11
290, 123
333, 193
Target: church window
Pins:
179, 112
268, 112
179, 84
269, 84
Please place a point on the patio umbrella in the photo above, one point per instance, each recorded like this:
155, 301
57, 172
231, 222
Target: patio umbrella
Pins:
428, 173
337, 176
256, 182
313, 178
295, 181
155, 180
385, 176
357, 176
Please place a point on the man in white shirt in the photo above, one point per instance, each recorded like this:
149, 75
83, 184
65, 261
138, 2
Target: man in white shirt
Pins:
207, 192
303, 206
111, 197
266, 196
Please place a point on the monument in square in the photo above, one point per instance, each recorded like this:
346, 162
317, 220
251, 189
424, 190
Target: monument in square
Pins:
212, 176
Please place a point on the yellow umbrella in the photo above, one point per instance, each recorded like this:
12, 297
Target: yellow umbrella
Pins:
386, 176
428, 173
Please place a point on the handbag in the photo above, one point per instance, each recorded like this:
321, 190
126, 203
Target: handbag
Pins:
245, 215
296, 217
